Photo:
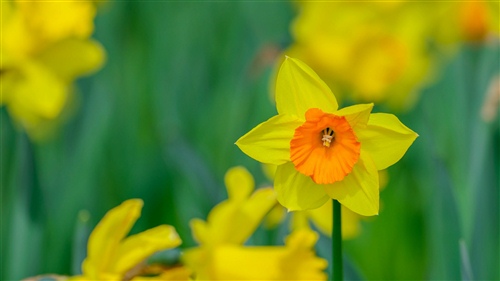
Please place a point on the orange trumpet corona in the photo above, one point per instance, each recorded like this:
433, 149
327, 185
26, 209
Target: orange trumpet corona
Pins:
324, 147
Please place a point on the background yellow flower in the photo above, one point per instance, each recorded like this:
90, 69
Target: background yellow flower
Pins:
221, 254
111, 256
45, 47
385, 53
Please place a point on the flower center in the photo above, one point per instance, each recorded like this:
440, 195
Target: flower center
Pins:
328, 136
324, 147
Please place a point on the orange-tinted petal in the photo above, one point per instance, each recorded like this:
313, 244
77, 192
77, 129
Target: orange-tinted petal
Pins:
326, 161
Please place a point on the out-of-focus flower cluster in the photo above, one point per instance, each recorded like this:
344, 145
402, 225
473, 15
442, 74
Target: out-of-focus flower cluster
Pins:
221, 254
386, 51
45, 46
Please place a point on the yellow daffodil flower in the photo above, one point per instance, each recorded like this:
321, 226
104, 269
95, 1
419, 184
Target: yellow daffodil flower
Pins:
323, 152
45, 46
111, 256
221, 254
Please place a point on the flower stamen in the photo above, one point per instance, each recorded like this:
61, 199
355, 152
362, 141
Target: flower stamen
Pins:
328, 136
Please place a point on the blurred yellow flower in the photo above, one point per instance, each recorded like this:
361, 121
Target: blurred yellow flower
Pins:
381, 51
323, 152
374, 51
111, 256
45, 46
465, 21
221, 254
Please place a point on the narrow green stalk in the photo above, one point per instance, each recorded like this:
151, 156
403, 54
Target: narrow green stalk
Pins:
337, 274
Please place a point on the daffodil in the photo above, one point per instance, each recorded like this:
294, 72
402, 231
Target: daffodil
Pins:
112, 256
221, 254
322, 152
45, 46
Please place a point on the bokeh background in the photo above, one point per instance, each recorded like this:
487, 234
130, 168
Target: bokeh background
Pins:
182, 81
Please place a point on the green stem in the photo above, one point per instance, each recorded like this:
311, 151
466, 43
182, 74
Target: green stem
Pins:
337, 242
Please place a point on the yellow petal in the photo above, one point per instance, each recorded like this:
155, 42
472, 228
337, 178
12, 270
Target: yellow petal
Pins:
385, 139
53, 21
34, 94
269, 142
300, 220
255, 209
294, 261
269, 170
302, 239
299, 88
356, 115
266, 263
72, 58
359, 191
239, 183
199, 230
234, 221
136, 248
198, 260
219, 224
107, 235
275, 217
296, 191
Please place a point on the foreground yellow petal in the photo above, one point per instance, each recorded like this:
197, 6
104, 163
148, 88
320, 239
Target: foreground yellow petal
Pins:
321, 217
386, 139
269, 142
296, 191
357, 115
359, 191
299, 88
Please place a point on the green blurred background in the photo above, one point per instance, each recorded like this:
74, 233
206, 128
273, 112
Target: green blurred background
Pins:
182, 82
